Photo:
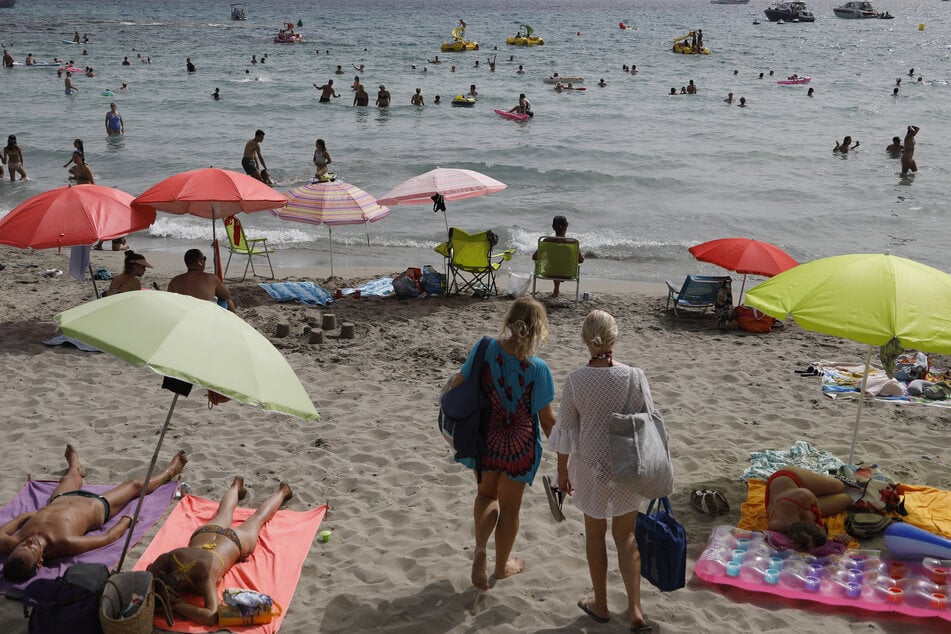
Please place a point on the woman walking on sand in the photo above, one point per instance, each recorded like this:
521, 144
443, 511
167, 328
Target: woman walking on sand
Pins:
520, 388
580, 437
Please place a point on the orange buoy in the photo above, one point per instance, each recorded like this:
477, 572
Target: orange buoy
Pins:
622, 25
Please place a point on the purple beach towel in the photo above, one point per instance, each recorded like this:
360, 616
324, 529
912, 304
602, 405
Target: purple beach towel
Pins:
36, 493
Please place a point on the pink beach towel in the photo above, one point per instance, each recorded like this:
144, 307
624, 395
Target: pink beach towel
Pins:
35, 494
274, 568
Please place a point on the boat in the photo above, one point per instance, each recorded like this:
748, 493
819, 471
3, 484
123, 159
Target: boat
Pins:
683, 46
528, 39
288, 35
791, 81
885, 15
7, 4
856, 10
459, 42
554, 79
463, 102
239, 12
790, 12
729, 1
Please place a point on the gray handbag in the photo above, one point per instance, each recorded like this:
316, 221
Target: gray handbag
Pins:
640, 453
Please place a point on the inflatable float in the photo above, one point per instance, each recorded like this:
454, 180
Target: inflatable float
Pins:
462, 101
459, 42
514, 116
71, 69
554, 79
528, 39
907, 541
793, 81
855, 578
571, 88
683, 47
288, 35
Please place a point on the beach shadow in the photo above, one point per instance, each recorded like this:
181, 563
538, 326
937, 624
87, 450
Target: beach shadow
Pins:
27, 337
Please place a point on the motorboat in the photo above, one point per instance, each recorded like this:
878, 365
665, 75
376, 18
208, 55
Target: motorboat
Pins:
856, 10
729, 1
239, 12
790, 12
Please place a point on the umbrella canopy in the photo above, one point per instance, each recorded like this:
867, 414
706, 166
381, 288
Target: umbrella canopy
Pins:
449, 183
869, 298
74, 215
191, 340
331, 203
210, 193
744, 255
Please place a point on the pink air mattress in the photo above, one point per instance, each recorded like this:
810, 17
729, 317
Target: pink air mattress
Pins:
515, 116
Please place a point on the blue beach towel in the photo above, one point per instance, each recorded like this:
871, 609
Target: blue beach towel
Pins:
62, 339
302, 292
382, 287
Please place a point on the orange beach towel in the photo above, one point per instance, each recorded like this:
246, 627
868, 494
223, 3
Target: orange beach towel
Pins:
274, 568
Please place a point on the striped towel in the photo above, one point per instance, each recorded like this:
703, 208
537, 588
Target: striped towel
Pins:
302, 292
382, 287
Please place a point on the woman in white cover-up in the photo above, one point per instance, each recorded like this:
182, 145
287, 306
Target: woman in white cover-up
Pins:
591, 395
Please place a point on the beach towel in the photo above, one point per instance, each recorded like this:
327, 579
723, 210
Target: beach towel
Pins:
273, 568
62, 339
844, 380
382, 287
302, 292
765, 463
79, 258
36, 493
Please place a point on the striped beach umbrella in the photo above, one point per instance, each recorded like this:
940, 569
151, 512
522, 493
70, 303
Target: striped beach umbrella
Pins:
331, 203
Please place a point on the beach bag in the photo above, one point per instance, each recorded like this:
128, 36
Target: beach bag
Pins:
434, 282
752, 320
128, 603
463, 413
662, 543
408, 284
65, 604
911, 365
640, 453
867, 525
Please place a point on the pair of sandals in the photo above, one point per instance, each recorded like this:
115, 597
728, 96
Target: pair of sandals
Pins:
812, 370
709, 501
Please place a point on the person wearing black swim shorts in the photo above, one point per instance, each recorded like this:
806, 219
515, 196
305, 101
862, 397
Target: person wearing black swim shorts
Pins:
252, 156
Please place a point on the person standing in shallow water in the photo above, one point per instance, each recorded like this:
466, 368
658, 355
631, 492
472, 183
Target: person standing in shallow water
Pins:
114, 124
908, 154
521, 410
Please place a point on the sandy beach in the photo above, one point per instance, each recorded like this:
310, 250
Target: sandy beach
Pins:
399, 558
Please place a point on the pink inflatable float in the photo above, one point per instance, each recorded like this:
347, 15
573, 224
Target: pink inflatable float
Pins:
856, 578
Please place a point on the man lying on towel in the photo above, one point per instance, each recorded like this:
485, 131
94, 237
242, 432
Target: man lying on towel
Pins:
59, 528
213, 549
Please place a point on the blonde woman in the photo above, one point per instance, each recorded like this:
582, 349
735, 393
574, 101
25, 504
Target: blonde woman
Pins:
591, 394
520, 389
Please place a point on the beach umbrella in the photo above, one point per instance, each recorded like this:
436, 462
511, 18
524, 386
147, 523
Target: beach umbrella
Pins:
744, 255
73, 216
331, 203
439, 185
210, 193
189, 341
878, 300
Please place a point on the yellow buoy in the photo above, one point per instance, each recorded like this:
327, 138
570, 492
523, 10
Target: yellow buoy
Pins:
921, 27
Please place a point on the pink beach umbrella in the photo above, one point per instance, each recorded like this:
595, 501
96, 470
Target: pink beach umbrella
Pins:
331, 203
442, 184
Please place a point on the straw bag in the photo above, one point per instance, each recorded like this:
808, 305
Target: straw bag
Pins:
127, 604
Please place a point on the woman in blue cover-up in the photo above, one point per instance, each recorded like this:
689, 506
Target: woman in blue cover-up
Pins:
520, 389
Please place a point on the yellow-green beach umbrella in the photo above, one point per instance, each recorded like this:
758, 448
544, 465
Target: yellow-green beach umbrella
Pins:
194, 341
868, 298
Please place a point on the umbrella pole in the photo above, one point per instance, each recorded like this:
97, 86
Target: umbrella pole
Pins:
858, 415
93, 278
214, 242
367, 228
330, 239
446, 220
742, 288
145, 484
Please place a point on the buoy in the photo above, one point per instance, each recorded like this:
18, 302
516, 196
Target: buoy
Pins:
579, 33
300, 22
622, 25
921, 27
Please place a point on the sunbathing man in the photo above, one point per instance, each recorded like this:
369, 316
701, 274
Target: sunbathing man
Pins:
59, 528
797, 500
213, 549
197, 283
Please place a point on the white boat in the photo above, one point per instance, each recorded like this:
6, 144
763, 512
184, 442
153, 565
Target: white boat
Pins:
729, 1
789, 12
239, 12
856, 11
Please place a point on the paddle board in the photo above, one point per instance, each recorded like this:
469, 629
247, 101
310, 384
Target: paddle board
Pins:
514, 116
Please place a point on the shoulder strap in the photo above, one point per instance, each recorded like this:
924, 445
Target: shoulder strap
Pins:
480, 353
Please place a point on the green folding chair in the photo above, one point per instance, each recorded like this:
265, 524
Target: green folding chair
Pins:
557, 259
239, 243
470, 264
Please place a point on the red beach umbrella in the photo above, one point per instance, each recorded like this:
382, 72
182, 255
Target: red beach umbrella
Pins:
449, 183
744, 255
210, 193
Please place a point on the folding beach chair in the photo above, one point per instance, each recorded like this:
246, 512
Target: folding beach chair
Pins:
557, 259
470, 264
697, 292
239, 243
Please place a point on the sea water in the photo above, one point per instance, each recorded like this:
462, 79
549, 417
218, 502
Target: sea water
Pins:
641, 175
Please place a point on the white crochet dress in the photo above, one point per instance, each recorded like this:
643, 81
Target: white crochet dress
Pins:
589, 398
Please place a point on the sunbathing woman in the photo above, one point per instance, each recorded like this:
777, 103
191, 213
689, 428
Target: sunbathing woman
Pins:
796, 502
212, 550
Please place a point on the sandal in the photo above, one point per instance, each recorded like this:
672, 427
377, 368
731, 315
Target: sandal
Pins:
555, 499
723, 507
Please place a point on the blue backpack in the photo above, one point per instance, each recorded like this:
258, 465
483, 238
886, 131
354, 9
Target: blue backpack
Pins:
66, 604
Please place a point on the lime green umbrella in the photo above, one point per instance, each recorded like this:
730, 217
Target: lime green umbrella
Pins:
870, 298
193, 341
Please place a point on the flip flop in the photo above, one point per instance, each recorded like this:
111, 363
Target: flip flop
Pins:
642, 629
720, 500
584, 604
555, 499
704, 500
